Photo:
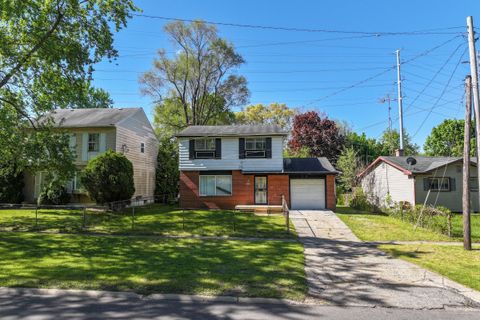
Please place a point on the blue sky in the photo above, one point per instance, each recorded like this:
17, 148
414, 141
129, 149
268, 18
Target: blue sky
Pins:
312, 70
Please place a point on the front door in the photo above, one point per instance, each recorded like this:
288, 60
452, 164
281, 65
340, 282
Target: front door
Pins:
260, 190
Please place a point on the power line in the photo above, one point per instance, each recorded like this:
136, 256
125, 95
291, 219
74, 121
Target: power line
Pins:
422, 54
442, 93
281, 28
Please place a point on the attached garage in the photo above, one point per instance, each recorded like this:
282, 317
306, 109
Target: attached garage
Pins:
307, 194
312, 183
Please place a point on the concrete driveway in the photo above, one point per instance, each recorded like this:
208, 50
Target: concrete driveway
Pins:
342, 270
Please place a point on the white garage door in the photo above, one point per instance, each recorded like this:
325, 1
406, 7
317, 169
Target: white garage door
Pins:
307, 194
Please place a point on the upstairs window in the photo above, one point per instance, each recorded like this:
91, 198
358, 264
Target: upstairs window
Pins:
93, 142
142, 147
205, 148
255, 148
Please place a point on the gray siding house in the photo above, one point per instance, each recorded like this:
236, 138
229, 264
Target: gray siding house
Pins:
434, 181
93, 131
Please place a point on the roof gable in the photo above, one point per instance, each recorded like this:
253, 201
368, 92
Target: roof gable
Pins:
423, 164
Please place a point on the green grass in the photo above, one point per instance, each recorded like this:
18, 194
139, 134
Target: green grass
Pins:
379, 227
152, 220
451, 261
189, 266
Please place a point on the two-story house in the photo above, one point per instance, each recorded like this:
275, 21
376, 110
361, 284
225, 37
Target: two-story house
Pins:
93, 131
225, 166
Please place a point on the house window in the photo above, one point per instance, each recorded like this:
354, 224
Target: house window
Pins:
474, 184
439, 184
205, 148
255, 147
216, 185
142, 147
93, 142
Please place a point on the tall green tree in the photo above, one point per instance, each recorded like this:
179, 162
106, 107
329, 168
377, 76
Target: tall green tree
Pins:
390, 142
274, 113
446, 139
349, 166
367, 149
47, 53
198, 81
167, 174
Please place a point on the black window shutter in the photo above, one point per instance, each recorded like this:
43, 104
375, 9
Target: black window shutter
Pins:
191, 149
268, 147
426, 184
241, 148
218, 148
453, 185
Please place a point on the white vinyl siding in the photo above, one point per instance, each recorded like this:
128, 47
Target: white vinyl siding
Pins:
230, 159
386, 179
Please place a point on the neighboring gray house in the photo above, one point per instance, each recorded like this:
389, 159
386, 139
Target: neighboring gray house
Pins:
93, 131
431, 180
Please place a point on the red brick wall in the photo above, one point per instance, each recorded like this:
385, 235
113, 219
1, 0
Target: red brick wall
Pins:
278, 185
242, 191
331, 197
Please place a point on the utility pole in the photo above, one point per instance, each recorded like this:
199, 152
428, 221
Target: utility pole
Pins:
476, 98
389, 100
400, 102
467, 241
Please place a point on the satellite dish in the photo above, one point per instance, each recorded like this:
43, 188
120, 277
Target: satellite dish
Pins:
411, 161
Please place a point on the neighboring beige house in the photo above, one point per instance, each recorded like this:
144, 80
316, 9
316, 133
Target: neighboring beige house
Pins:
432, 180
93, 131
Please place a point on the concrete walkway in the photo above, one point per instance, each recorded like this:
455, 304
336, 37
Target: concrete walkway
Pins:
342, 270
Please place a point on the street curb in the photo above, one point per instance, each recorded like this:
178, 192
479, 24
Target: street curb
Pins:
152, 297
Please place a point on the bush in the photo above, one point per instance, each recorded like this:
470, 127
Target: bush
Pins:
358, 200
11, 184
437, 219
109, 177
54, 193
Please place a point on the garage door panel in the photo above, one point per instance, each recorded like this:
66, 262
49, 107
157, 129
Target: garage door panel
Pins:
307, 194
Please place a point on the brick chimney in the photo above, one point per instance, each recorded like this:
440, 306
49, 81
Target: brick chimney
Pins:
399, 153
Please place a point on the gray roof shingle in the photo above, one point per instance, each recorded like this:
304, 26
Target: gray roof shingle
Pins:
232, 130
308, 165
90, 117
424, 164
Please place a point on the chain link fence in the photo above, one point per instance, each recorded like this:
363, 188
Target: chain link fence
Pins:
156, 215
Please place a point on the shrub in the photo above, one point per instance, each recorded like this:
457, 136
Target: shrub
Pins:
359, 200
11, 184
437, 219
109, 177
54, 193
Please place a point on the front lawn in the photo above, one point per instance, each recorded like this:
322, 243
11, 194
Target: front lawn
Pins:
190, 266
152, 219
451, 261
379, 227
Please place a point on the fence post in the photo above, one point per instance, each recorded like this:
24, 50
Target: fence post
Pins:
36, 216
183, 219
84, 217
233, 220
133, 217
288, 221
